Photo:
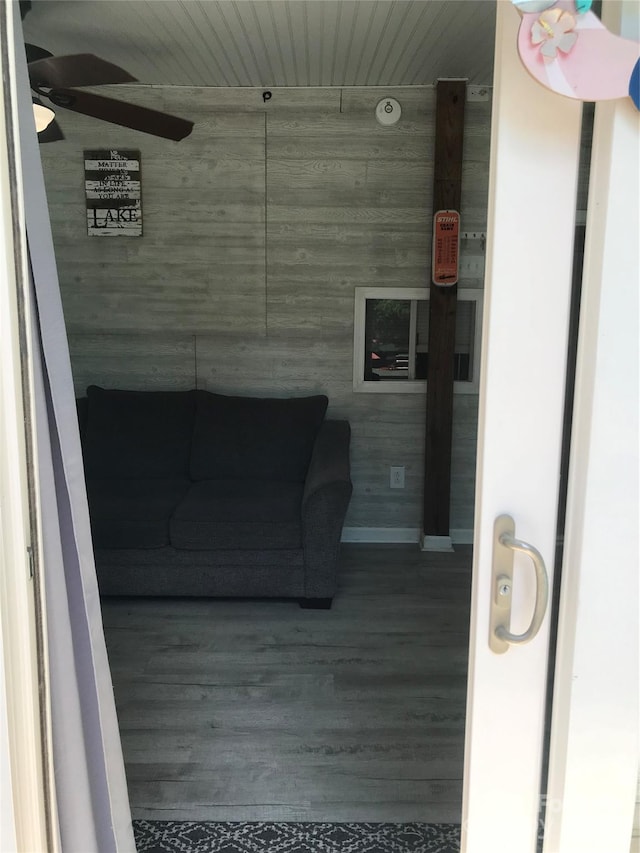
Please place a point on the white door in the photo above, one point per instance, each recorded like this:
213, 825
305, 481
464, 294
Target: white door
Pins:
534, 168
593, 760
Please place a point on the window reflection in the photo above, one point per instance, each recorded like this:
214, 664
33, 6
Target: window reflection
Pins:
387, 324
397, 340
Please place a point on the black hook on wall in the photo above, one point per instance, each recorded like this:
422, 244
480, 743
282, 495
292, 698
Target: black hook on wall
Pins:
266, 96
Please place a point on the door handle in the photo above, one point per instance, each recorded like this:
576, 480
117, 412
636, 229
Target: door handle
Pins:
504, 546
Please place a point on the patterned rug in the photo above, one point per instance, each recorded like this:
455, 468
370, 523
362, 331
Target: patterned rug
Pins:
159, 836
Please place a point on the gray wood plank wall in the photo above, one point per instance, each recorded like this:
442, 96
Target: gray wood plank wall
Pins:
256, 230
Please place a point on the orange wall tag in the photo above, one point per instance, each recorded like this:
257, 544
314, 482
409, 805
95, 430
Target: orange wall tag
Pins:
446, 247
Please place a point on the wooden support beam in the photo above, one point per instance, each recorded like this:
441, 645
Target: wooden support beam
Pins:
447, 184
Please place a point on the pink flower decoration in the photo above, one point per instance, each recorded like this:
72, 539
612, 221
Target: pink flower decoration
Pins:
553, 30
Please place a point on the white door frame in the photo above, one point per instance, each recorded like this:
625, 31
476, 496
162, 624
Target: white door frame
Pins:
594, 748
535, 148
23, 778
594, 735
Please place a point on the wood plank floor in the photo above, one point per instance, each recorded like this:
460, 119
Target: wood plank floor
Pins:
258, 710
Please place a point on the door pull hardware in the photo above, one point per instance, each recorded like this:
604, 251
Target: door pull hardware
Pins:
504, 546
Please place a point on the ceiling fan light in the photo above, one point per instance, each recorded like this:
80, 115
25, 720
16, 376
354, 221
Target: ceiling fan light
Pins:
43, 115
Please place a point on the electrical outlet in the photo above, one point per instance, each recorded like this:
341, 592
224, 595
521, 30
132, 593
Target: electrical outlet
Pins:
396, 476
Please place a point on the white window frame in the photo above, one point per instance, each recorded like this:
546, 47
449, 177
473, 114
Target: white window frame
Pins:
410, 386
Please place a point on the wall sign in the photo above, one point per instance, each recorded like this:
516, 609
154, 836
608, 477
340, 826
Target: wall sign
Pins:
112, 187
446, 247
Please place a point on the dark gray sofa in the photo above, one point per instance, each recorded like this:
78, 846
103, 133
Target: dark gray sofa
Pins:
199, 494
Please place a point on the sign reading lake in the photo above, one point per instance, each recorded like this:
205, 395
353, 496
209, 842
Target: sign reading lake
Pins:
112, 187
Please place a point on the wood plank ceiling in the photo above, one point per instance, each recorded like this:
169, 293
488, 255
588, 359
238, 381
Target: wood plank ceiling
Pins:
275, 43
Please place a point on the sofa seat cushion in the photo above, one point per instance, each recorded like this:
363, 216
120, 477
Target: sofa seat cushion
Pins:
254, 438
133, 513
238, 514
134, 435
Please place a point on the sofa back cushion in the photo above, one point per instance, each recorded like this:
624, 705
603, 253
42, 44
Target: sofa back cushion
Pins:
254, 438
138, 434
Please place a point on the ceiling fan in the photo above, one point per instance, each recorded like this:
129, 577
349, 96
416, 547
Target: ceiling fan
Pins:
56, 78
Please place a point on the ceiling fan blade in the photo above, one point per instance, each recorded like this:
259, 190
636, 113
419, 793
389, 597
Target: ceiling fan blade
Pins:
82, 69
122, 113
51, 133
34, 53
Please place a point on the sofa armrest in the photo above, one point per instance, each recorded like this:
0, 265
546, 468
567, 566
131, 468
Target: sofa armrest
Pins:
82, 408
327, 491
330, 459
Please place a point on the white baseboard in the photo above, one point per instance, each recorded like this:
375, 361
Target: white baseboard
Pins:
436, 543
402, 535
462, 536
398, 535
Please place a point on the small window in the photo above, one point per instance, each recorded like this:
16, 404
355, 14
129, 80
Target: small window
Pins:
391, 339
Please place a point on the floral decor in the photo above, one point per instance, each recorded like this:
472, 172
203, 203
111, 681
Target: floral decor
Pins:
566, 48
554, 31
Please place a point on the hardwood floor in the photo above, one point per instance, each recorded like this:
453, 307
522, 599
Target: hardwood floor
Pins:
259, 710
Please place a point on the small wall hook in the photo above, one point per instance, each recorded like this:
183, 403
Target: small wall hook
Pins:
266, 95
